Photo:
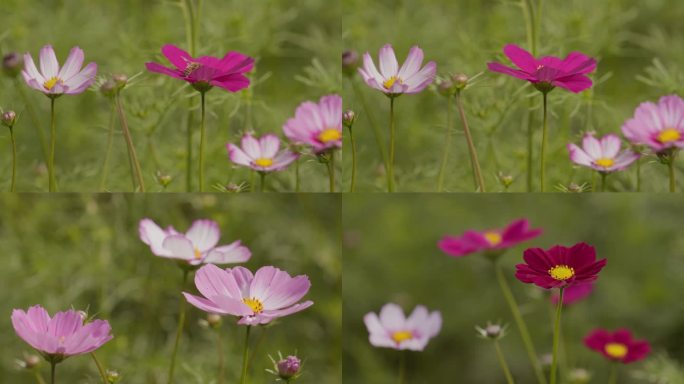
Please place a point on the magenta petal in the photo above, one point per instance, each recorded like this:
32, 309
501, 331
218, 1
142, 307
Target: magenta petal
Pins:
498, 67
520, 57
233, 83
156, 67
178, 57
575, 83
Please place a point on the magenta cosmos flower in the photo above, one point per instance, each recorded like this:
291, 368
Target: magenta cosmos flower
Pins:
602, 155
393, 330
317, 125
261, 154
394, 81
573, 293
659, 126
618, 345
61, 336
257, 298
548, 72
492, 240
205, 72
196, 246
55, 81
559, 266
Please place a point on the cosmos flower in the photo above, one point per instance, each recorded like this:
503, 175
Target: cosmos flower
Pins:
61, 336
618, 345
393, 330
559, 266
196, 246
261, 154
55, 81
488, 240
658, 126
548, 72
395, 81
205, 72
573, 293
256, 298
602, 155
317, 125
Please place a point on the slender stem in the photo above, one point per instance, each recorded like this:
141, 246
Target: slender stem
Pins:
520, 323
201, 154
531, 28
139, 183
447, 144
603, 181
179, 331
331, 170
502, 362
353, 171
543, 144
256, 346
262, 183
638, 175
376, 129
53, 138
108, 151
530, 146
538, 22
14, 160
390, 162
100, 368
245, 357
671, 169
556, 338
612, 379
34, 119
477, 172
297, 175
39, 377
188, 150
402, 367
528, 15
52, 372
221, 359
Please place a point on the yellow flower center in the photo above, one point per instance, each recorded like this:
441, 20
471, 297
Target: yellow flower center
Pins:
198, 254
669, 135
616, 350
254, 304
390, 82
494, 238
400, 336
49, 84
562, 272
263, 162
604, 163
328, 135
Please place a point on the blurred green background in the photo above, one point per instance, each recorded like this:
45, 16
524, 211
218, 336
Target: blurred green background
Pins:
84, 251
626, 36
296, 45
390, 255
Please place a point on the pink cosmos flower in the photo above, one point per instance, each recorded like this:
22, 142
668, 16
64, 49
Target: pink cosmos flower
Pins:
394, 81
659, 126
205, 72
559, 266
618, 345
317, 125
488, 240
573, 293
55, 81
61, 336
602, 155
256, 298
261, 154
196, 246
393, 330
548, 72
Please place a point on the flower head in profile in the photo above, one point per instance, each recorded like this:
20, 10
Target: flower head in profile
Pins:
603, 154
573, 293
548, 72
54, 81
391, 329
196, 246
61, 336
491, 240
559, 266
205, 72
261, 154
394, 81
318, 125
617, 346
659, 126
257, 298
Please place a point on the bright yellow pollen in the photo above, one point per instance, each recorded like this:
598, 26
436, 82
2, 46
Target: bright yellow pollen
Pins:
562, 272
604, 163
616, 350
328, 135
400, 336
254, 304
263, 162
390, 82
494, 238
51, 83
198, 254
669, 135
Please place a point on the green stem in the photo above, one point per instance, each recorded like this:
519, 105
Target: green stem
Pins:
100, 368
331, 170
603, 181
390, 163
262, 183
108, 151
402, 367
139, 183
14, 160
447, 144
297, 175
530, 146
475, 164
353, 171
245, 357
502, 362
201, 154
39, 377
612, 379
538, 22
520, 323
556, 338
220, 358
34, 119
671, 169
543, 143
53, 138
528, 15
52, 372
376, 129
179, 331
638, 175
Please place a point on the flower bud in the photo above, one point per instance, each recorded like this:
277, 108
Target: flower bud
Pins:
112, 376
12, 64
348, 118
213, 320
350, 62
460, 81
505, 179
121, 80
84, 315
164, 179
579, 376
29, 361
109, 88
288, 367
9, 118
445, 87
492, 331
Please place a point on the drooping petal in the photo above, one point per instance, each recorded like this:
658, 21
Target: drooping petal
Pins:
158, 68
82, 80
233, 82
575, 83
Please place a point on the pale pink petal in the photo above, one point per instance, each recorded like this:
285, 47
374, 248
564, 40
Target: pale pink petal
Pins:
237, 156
269, 145
251, 147
610, 146
388, 61
72, 65
179, 247
412, 64
203, 304
369, 71
392, 317
49, 66
81, 81
30, 70
287, 311
578, 156
228, 254
592, 147
204, 234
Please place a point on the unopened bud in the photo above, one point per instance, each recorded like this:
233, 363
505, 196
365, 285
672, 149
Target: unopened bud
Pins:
29, 361
9, 118
112, 376
446, 87
460, 81
120, 79
350, 62
12, 64
164, 179
289, 367
84, 315
213, 320
579, 376
505, 180
348, 118
575, 188
109, 88
492, 331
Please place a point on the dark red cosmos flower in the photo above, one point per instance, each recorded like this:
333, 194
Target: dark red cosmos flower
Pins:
488, 240
618, 345
549, 71
206, 72
559, 266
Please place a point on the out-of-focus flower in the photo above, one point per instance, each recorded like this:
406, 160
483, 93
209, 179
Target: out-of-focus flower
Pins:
394, 81
492, 240
318, 125
350, 62
12, 64
574, 293
602, 155
618, 345
559, 266
659, 126
261, 154
55, 81
391, 329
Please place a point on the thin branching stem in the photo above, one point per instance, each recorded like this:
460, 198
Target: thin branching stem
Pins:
179, 331
139, 182
447, 145
556, 339
503, 363
474, 162
100, 368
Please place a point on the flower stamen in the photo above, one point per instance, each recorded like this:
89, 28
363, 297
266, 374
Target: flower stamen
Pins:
494, 238
328, 135
390, 82
616, 350
254, 304
604, 162
669, 135
49, 84
198, 253
263, 162
400, 336
562, 272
